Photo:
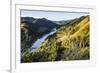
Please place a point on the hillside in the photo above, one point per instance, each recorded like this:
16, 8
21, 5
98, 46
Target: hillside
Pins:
70, 42
32, 29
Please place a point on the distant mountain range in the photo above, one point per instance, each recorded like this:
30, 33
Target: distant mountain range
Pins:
62, 22
34, 20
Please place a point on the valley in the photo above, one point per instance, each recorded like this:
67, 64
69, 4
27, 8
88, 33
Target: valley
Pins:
70, 40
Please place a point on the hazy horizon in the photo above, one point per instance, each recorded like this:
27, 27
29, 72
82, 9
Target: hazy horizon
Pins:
52, 15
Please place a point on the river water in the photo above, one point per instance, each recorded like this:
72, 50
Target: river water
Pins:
37, 43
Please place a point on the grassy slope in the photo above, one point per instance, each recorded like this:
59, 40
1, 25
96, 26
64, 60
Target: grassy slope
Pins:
71, 42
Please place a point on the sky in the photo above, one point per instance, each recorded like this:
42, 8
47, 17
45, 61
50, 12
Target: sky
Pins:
51, 15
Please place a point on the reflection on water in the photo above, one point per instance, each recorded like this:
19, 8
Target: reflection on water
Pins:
37, 43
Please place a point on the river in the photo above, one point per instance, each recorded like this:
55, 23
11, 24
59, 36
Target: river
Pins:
37, 43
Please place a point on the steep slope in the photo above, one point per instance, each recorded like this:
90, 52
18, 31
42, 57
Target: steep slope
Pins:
70, 42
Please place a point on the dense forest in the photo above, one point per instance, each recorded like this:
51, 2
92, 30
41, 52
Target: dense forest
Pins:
70, 42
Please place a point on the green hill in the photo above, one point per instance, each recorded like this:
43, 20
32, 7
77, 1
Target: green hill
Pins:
70, 42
